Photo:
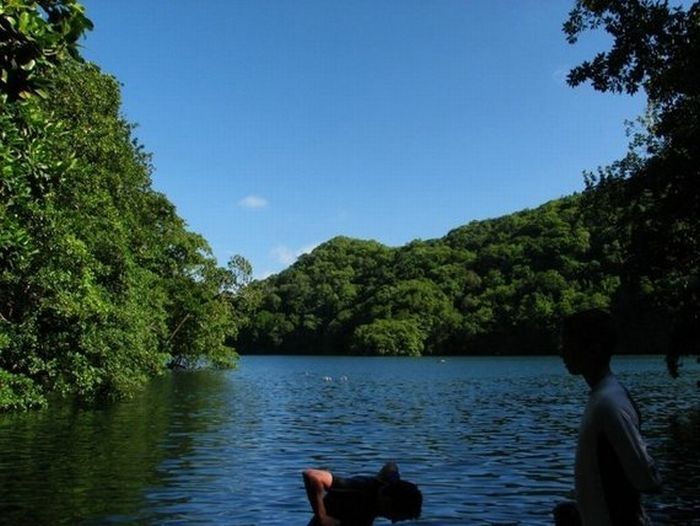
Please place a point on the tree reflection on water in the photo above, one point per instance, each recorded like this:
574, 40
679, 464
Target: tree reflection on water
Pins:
70, 465
679, 459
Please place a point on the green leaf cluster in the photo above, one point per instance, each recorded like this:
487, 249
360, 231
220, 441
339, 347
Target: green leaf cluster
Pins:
34, 37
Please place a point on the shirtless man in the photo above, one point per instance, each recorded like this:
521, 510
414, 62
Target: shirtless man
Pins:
357, 501
612, 464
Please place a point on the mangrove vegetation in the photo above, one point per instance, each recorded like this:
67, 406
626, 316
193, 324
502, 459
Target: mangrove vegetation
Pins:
102, 285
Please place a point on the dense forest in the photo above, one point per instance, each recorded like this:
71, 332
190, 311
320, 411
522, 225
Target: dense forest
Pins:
102, 285
491, 287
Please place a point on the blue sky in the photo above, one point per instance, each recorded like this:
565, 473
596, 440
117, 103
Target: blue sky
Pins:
276, 125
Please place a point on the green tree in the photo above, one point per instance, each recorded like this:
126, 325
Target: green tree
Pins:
394, 337
653, 195
102, 285
241, 273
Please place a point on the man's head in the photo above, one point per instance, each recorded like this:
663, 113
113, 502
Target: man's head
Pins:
588, 339
400, 500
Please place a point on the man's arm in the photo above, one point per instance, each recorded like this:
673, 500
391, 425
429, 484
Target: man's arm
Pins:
622, 431
317, 482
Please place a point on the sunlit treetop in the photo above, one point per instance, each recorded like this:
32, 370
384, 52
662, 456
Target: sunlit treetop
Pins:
35, 36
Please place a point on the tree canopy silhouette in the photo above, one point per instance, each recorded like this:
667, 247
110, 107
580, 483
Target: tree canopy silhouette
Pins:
652, 197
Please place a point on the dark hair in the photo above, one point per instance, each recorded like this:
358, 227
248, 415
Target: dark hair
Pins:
590, 327
406, 498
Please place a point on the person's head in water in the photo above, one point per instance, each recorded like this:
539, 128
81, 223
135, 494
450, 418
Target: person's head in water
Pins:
588, 339
400, 500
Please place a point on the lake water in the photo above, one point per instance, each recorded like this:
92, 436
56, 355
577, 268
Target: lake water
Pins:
488, 440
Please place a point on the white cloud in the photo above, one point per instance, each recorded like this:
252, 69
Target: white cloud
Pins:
559, 76
287, 256
253, 201
283, 255
263, 275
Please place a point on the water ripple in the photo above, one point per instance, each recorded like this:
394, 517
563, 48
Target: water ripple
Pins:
490, 442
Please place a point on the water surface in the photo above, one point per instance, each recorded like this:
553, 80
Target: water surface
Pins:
490, 441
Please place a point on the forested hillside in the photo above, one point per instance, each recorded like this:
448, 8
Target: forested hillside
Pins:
491, 287
631, 242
